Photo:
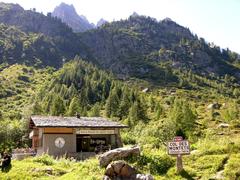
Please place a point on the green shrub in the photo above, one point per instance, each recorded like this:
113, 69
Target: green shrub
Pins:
160, 164
127, 138
44, 159
155, 162
232, 168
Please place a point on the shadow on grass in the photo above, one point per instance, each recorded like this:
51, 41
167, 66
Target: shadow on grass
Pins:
185, 174
7, 169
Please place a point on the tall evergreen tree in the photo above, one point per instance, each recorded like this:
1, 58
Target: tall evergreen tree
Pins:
57, 108
133, 115
182, 116
137, 113
125, 104
158, 111
95, 110
112, 104
74, 107
152, 103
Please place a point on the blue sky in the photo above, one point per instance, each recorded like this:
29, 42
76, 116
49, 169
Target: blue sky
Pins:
217, 21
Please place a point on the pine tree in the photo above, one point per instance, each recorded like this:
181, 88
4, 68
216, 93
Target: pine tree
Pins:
37, 108
152, 103
158, 111
108, 109
137, 113
74, 107
236, 92
111, 107
95, 110
124, 105
72, 91
57, 108
182, 116
133, 115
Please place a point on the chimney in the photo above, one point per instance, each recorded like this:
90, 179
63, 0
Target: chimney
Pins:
78, 115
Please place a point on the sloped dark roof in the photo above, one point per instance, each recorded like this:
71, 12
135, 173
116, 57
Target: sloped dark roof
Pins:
59, 121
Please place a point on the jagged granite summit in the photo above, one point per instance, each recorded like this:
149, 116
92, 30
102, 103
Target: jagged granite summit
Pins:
69, 16
101, 22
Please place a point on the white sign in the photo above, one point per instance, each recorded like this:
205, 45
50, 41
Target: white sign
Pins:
178, 147
59, 142
97, 131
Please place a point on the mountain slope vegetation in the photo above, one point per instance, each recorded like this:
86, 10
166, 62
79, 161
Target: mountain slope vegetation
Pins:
18, 86
32, 49
138, 45
62, 44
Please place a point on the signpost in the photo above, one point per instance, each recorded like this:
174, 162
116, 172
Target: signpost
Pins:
178, 147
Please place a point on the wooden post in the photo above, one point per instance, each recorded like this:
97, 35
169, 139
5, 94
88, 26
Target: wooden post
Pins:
178, 147
179, 163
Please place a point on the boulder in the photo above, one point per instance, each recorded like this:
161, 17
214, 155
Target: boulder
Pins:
106, 178
119, 153
109, 171
117, 166
48, 170
214, 106
215, 114
120, 169
223, 125
145, 90
127, 171
143, 177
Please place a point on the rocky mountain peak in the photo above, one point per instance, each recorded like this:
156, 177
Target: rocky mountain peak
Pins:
10, 6
67, 13
101, 22
168, 20
134, 14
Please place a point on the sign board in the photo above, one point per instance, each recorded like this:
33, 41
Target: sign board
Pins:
178, 138
178, 147
97, 131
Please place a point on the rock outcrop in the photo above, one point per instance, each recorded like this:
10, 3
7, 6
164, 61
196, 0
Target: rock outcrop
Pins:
119, 153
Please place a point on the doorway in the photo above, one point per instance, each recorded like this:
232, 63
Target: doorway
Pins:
83, 143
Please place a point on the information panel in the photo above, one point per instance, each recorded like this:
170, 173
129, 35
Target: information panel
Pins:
178, 147
97, 131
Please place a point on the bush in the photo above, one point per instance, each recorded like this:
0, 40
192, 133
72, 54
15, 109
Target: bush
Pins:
160, 164
44, 159
127, 138
232, 170
156, 162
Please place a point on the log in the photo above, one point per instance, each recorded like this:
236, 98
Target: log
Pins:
119, 153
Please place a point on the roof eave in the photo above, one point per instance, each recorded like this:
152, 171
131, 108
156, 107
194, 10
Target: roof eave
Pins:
47, 126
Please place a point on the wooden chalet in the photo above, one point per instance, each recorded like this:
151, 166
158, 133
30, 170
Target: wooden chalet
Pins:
57, 135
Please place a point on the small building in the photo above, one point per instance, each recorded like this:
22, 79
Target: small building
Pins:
57, 135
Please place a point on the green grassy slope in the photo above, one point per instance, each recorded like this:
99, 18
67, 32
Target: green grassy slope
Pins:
19, 84
215, 149
212, 157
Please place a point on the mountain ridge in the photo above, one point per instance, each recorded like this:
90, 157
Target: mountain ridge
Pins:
141, 39
139, 46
